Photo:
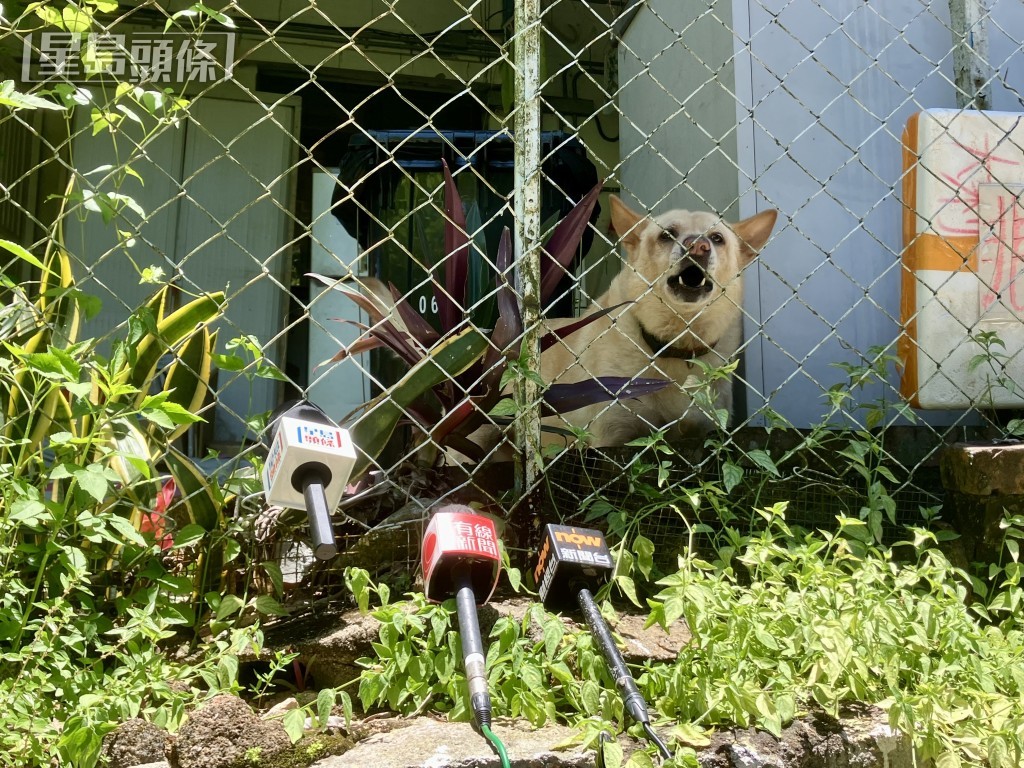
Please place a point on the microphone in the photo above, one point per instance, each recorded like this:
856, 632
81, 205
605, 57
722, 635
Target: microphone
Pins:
572, 562
460, 557
308, 465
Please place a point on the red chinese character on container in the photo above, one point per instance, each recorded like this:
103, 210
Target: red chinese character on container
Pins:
965, 199
1001, 255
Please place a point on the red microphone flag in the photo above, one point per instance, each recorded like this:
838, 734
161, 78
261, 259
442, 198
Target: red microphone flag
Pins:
457, 534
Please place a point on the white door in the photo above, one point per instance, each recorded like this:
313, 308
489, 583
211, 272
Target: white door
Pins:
338, 388
102, 267
233, 236
218, 215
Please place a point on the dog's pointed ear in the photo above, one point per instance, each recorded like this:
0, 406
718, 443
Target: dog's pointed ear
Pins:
754, 232
626, 223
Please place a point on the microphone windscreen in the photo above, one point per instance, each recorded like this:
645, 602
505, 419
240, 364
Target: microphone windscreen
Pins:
296, 409
570, 559
307, 450
458, 535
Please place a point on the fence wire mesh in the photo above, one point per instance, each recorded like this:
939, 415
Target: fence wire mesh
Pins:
289, 158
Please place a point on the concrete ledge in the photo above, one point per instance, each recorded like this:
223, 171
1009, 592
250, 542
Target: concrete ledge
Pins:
862, 740
984, 469
984, 482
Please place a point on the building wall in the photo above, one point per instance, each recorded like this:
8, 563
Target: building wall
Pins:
677, 109
812, 110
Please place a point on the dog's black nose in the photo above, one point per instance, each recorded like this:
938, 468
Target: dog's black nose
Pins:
697, 246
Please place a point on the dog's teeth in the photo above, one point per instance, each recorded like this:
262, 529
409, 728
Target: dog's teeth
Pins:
703, 282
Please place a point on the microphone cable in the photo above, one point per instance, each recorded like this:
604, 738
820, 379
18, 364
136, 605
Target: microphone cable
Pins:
473, 659
632, 699
492, 737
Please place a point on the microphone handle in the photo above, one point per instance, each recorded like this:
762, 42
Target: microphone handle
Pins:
320, 529
472, 644
632, 699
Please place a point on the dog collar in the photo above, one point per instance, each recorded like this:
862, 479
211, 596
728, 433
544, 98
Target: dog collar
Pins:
661, 348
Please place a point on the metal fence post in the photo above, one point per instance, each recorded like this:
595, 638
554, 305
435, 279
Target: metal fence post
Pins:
527, 42
969, 22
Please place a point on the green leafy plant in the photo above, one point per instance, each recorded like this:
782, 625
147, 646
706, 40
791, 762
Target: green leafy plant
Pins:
102, 567
865, 447
537, 670
88, 600
61, 392
784, 621
993, 357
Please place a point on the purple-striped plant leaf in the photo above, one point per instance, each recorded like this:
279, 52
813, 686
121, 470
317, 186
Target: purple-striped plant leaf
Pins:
466, 447
509, 325
552, 336
454, 419
508, 328
564, 242
364, 302
357, 347
419, 328
451, 295
508, 306
563, 398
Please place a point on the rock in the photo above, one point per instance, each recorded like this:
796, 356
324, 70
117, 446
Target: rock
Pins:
136, 742
219, 734
333, 655
650, 643
984, 483
639, 644
334, 724
862, 740
984, 469
287, 705
436, 744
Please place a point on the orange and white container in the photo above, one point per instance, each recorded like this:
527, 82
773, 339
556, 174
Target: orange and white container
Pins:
963, 259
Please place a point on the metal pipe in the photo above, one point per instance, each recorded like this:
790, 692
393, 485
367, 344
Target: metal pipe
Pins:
526, 128
972, 71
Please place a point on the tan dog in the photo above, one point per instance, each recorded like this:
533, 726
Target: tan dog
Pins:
684, 286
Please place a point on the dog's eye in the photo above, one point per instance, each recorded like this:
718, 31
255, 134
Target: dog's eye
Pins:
716, 238
668, 235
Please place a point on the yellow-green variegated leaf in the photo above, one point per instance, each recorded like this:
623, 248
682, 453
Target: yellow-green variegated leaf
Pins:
54, 414
157, 304
59, 308
132, 452
170, 331
200, 500
188, 377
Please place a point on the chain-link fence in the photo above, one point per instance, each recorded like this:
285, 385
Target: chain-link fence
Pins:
401, 207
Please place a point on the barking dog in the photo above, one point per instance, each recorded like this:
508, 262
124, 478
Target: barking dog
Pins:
683, 291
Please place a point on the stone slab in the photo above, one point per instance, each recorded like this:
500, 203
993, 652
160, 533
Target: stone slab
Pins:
984, 469
429, 743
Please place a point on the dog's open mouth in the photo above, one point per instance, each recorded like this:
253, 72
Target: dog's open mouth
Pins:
692, 282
